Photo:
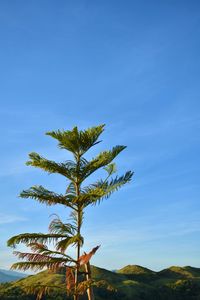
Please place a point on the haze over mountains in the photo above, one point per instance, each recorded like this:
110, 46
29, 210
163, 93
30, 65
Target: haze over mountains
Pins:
7, 275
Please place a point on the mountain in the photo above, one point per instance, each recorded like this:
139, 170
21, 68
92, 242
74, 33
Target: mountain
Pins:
7, 275
180, 272
132, 282
138, 273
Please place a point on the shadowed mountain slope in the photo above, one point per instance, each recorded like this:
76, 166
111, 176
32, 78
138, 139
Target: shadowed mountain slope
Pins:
129, 283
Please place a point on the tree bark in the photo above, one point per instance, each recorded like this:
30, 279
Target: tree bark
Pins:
76, 297
88, 277
77, 186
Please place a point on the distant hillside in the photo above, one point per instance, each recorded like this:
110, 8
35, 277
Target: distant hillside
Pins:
7, 275
129, 283
180, 273
138, 273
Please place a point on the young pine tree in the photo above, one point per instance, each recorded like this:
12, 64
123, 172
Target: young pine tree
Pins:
77, 197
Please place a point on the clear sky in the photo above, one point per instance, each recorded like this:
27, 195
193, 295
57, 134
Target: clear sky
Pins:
133, 65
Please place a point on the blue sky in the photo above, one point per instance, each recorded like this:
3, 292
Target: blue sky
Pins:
133, 65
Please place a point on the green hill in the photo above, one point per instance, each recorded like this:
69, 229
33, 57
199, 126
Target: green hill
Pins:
176, 273
129, 283
138, 273
134, 269
195, 272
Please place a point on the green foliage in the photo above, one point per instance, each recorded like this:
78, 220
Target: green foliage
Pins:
77, 196
28, 238
42, 195
111, 169
77, 141
65, 169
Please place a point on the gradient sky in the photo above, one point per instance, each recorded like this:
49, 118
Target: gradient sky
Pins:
133, 65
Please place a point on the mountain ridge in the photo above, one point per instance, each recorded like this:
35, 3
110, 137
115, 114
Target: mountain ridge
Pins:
128, 283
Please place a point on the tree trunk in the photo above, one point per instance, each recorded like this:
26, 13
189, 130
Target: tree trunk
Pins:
88, 277
76, 296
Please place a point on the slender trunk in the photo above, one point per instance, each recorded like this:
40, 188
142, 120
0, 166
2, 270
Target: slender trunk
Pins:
76, 297
77, 185
88, 277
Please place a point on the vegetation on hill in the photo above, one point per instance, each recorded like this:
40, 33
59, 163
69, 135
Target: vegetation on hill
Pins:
174, 283
138, 273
